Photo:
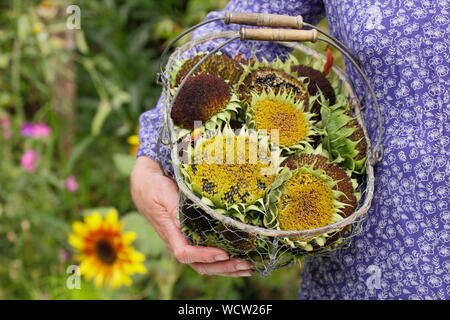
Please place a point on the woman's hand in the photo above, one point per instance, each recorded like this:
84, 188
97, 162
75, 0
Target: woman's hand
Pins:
156, 197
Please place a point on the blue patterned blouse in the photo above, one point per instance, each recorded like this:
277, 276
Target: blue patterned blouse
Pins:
403, 251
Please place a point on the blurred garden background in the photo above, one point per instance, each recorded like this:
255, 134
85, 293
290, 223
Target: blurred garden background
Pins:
69, 107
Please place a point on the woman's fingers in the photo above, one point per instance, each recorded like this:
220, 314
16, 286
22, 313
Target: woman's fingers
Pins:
237, 267
157, 198
176, 241
167, 229
195, 254
235, 274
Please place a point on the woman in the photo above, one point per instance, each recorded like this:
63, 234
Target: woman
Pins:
403, 250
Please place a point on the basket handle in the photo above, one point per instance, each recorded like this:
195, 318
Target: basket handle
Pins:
263, 20
285, 35
266, 34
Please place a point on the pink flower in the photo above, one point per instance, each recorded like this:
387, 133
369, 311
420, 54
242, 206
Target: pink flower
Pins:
71, 184
29, 160
35, 130
64, 255
6, 125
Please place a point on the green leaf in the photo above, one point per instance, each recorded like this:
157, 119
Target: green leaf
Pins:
124, 163
147, 242
103, 110
207, 201
80, 40
102, 210
23, 27
78, 151
337, 122
255, 208
197, 190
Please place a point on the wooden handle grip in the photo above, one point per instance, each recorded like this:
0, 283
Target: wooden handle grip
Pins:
264, 20
278, 34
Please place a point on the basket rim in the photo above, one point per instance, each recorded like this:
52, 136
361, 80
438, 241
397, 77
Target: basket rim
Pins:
370, 181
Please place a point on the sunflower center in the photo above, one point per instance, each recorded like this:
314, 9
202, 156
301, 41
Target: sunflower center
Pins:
265, 77
202, 97
307, 203
230, 167
220, 65
105, 251
272, 114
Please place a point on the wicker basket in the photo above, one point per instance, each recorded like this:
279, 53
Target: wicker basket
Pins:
274, 257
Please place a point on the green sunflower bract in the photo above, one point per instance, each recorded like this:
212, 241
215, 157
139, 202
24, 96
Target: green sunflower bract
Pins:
344, 138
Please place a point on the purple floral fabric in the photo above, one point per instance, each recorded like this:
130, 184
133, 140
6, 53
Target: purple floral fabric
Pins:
403, 250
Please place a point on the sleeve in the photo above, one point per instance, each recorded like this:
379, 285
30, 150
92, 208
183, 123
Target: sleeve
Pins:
151, 122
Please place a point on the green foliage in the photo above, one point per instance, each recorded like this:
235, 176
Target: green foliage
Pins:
90, 90
124, 163
148, 241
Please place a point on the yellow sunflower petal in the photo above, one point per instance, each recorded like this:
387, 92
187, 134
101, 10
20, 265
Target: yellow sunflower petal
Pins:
116, 278
76, 241
112, 214
129, 237
127, 280
93, 221
112, 221
134, 267
137, 256
133, 140
99, 280
86, 268
79, 228
100, 270
121, 279
140, 268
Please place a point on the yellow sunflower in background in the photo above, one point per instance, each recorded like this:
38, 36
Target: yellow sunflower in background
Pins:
133, 141
104, 250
